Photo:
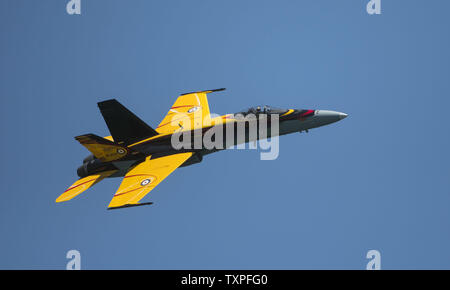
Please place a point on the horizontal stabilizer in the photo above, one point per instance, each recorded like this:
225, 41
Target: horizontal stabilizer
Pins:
102, 148
125, 127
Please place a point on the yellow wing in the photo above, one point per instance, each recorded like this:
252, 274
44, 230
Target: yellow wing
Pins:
82, 184
145, 176
188, 112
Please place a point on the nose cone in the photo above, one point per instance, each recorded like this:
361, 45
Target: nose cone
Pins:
327, 117
342, 116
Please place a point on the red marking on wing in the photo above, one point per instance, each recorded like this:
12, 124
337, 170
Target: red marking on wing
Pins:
171, 122
117, 194
183, 106
70, 188
138, 175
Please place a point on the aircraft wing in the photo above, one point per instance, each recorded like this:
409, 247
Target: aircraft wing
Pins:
190, 109
83, 184
145, 176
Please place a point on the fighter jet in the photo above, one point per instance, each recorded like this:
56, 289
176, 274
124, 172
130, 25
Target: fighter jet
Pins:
144, 156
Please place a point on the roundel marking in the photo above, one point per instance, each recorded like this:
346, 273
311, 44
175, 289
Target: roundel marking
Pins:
146, 181
193, 109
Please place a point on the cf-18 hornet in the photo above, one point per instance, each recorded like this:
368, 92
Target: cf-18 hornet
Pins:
144, 156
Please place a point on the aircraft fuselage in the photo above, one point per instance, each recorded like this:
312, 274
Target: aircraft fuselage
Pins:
290, 121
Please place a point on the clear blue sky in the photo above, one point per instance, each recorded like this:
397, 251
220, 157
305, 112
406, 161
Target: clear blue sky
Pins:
379, 179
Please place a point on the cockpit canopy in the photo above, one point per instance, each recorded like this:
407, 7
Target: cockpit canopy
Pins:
263, 110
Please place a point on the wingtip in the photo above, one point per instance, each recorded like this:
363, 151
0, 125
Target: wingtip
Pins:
205, 91
128, 205
62, 198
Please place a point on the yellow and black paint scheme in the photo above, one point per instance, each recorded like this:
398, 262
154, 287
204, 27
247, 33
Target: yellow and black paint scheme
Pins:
144, 156
103, 149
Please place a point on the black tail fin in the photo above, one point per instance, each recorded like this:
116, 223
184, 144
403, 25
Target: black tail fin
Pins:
125, 127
